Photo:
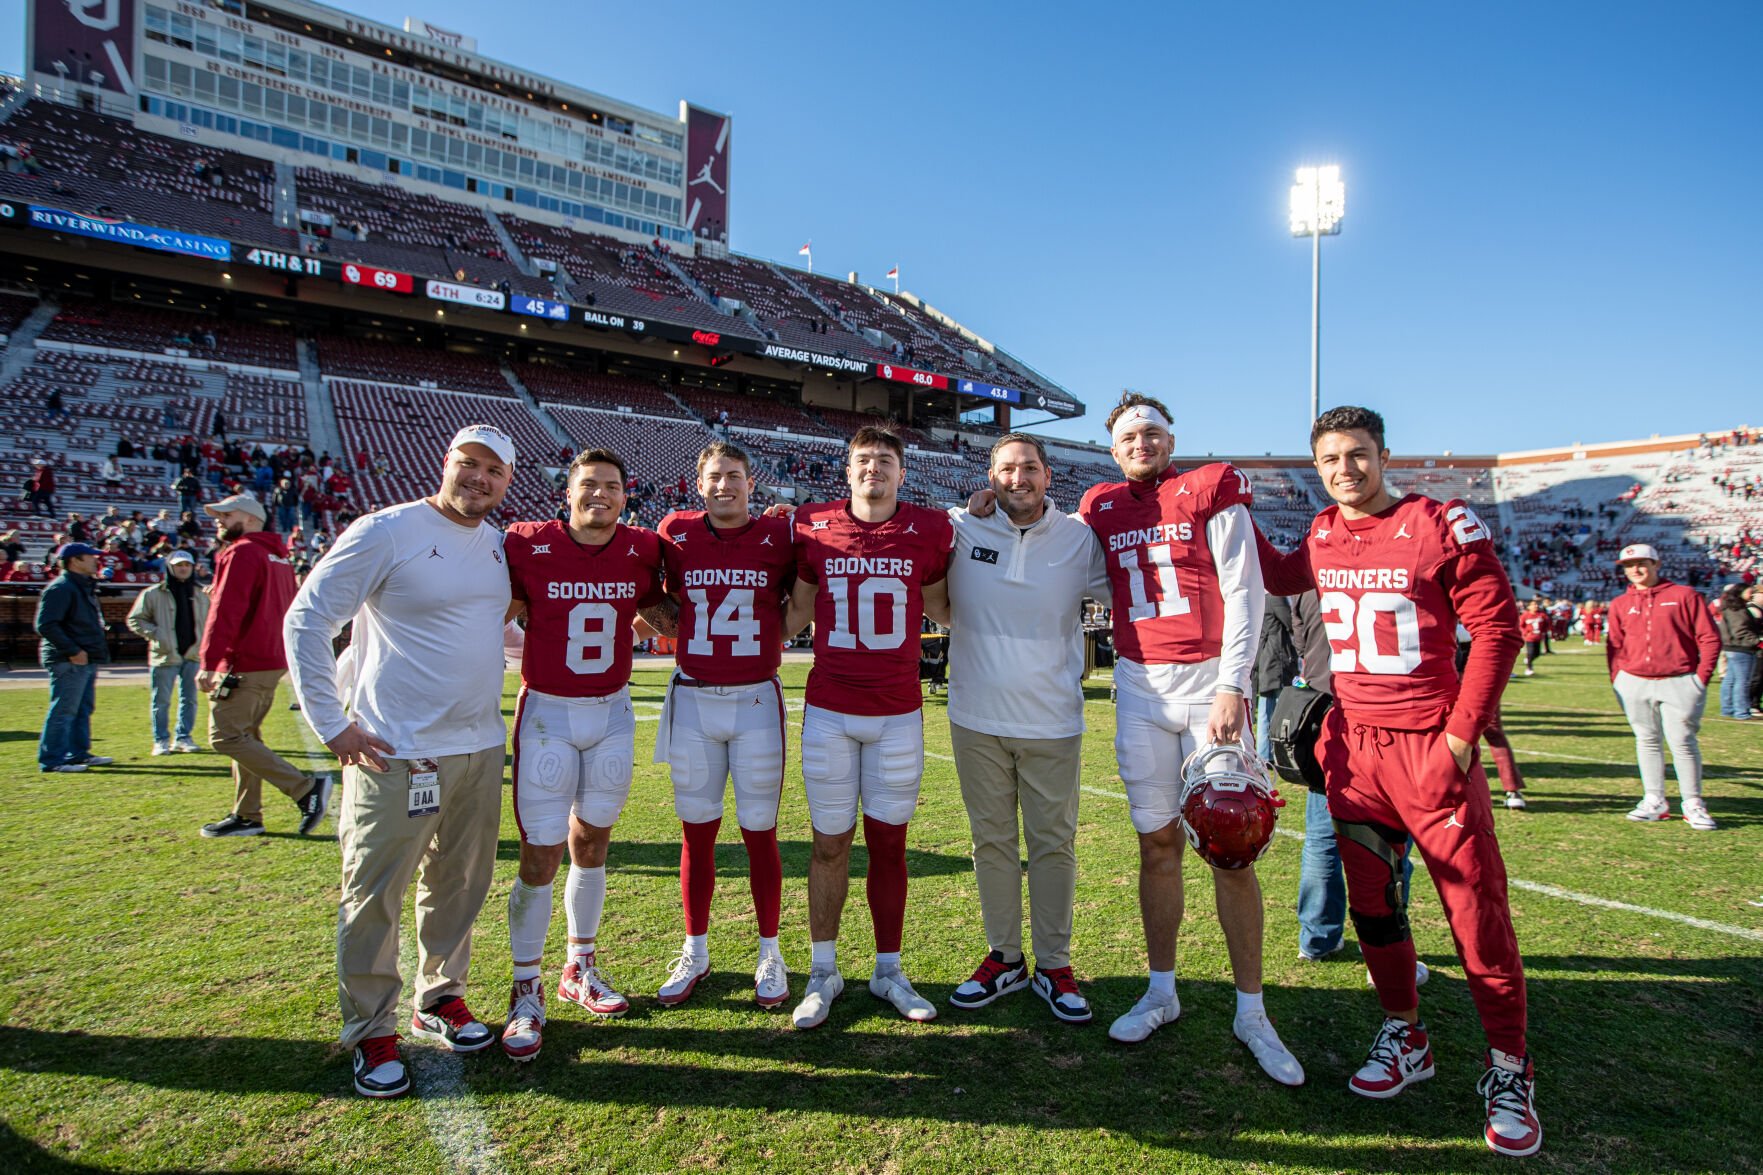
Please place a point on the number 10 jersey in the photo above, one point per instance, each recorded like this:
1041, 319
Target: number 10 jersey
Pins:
869, 612
731, 586
580, 604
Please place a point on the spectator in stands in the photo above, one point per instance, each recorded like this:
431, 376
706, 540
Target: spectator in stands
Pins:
170, 617
286, 501
53, 406
11, 550
219, 427
1662, 648
78, 529
125, 449
41, 489
110, 473
243, 659
1740, 634
71, 626
188, 488
189, 528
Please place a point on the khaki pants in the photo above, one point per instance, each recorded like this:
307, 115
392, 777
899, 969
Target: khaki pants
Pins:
383, 846
1039, 776
235, 729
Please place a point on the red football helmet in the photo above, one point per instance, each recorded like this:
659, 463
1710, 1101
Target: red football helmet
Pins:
1228, 805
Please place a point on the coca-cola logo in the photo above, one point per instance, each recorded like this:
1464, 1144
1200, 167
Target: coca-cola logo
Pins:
708, 338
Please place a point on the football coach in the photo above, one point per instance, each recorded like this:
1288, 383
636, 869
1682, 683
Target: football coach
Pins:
418, 729
1018, 578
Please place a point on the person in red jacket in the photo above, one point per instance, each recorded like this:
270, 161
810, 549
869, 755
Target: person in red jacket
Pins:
1662, 648
1398, 751
1533, 626
1591, 621
243, 659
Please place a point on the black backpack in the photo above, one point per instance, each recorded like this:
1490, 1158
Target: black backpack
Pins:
1292, 733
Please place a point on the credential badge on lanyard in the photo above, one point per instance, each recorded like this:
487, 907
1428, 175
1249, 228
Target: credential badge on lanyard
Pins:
425, 787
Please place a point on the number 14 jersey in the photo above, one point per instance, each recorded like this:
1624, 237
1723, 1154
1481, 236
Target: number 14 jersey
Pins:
731, 586
580, 604
869, 611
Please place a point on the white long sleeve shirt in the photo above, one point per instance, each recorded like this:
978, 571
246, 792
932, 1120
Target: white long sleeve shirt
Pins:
1231, 536
427, 596
1016, 654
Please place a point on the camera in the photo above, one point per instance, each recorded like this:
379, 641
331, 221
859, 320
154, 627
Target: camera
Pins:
227, 685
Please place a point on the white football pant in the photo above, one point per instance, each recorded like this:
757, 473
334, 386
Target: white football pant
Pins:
847, 757
715, 732
571, 755
1152, 739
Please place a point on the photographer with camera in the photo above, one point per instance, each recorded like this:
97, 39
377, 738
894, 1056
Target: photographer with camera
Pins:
243, 659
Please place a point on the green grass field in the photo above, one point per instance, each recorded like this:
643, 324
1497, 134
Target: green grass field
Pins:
168, 1002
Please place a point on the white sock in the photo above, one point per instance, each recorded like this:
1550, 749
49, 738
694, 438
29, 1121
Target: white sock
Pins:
1163, 982
887, 961
824, 956
529, 918
525, 971
768, 946
1249, 1002
1511, 1062
699, 945
584, 896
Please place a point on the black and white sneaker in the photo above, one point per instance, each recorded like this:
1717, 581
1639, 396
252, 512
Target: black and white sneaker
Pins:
993, 979
379, 1068
314, 804
96, 760
233, 826
1058, 987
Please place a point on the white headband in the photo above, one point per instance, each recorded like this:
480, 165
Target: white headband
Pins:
1133, 417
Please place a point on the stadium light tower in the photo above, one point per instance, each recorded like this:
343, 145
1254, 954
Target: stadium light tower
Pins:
1319, 201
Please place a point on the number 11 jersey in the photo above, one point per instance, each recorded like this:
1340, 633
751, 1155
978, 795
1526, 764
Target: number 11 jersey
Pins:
731, 586
580, 604
869, 611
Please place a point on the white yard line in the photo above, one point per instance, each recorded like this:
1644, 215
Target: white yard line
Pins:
458, 1127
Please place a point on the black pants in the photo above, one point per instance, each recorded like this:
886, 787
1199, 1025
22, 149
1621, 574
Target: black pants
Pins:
1531, 650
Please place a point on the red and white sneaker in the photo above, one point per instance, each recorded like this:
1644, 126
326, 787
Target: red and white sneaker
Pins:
525, 1030
1400, 1056
451, 1023
1512, 1127
683, 976
583, 984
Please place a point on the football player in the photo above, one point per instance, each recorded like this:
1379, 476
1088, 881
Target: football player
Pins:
582, 584
731, 574
1187, 603
1398, 750
864, 567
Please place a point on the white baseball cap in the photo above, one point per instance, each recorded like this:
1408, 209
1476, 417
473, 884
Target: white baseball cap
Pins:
179, 557
487, 435
1637, 551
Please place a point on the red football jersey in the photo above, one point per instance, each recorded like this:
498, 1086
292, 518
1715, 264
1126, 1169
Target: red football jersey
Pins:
1392, 588
731, 586
1168, 608
1532, 624
580, 602
870, 608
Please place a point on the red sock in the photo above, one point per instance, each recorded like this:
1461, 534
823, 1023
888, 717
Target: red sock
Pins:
886, 883
765, 876
697, 873
1392, 973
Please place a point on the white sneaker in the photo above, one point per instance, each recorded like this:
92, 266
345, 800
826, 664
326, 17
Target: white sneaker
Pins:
1421, 975
1695, 814
1650, 809
525, 1030
1152, 1012
1530, 673
823, 988
162, 748
1255, 1030
1515, 801
896, 989
771, 980
687, 969
185, 746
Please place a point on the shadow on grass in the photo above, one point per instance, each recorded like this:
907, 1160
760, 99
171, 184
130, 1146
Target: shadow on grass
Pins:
661, 858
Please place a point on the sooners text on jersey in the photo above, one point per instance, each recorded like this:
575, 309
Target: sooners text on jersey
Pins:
731, 586
1384, 585
580, 604
870, 607
1168, 608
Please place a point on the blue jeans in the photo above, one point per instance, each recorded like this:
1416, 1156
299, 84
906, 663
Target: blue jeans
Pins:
1322, 888
165, 679
1263, 721
67, 729
284, 518
1735, 684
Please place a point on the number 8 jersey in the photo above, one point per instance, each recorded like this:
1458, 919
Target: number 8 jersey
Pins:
870, 608
580, 603
731, 586
1168, 606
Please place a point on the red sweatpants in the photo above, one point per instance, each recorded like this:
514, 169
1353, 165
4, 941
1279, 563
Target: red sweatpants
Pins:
1504, 761
1407, 782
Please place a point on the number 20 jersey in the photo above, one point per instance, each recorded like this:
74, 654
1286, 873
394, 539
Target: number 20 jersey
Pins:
869, 611
731, 587
580, 602
1167, 606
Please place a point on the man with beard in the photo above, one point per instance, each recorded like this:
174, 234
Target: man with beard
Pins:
242, 660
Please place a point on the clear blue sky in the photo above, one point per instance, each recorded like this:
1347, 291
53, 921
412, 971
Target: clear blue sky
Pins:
1554, 211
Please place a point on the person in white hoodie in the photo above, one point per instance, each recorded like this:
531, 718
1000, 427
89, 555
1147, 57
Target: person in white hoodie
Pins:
1018, 578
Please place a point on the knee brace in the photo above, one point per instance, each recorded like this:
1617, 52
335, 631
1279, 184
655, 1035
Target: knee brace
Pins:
1383, 842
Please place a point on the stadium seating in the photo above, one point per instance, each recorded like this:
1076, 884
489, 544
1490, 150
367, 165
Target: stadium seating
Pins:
794, 319
154, 331
410, 364
552, 383
657, 453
